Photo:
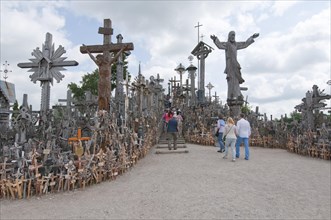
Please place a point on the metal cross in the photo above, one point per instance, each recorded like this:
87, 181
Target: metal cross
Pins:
5, 70
198, 26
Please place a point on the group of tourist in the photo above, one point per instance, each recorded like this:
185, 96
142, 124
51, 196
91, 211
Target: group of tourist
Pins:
234, 136
172, 120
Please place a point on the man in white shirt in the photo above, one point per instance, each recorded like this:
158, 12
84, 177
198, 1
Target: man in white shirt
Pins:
243, 131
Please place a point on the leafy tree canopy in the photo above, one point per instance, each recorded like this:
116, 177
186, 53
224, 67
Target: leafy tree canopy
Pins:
90, 81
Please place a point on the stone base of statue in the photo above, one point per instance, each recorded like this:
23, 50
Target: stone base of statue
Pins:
235, 106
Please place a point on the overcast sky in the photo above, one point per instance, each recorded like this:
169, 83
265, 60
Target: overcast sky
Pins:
291, 54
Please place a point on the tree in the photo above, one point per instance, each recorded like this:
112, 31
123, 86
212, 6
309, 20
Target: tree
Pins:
296, 116
16, 110
246, 109
90, 81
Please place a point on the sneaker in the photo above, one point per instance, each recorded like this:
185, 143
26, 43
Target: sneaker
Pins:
219, 151
246, 158
233, 160
223, 150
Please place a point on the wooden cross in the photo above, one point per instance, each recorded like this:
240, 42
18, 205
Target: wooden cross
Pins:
69, 100
77, 143
216, 97
173, 85
104, 62
46, 66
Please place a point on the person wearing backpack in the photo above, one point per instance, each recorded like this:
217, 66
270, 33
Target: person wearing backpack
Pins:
220, 129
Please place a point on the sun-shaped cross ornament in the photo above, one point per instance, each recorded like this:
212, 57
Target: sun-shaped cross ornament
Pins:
46, 66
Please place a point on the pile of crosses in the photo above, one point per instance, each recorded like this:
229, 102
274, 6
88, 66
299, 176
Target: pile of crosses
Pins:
45, 169
310, 137
69, 153
78, 144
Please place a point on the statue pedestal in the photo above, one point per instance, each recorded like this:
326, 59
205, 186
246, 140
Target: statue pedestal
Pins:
235, 107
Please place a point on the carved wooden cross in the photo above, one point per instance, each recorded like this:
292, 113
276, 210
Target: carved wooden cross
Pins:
69, 102
46, 66
76, 141
104, 62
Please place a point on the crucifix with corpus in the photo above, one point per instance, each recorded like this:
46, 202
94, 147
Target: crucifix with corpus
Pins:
104, 62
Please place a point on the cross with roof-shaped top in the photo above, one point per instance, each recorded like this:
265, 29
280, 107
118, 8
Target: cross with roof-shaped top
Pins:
46, 66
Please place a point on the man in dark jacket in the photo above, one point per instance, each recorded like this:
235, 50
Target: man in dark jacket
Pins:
172, 131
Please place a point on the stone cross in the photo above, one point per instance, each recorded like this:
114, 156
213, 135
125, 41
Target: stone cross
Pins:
187, 89
209, 87
154, 89
119, 98
104, 62
46, 66
159, 90
139, 85
180, 69
201, 51
192, 72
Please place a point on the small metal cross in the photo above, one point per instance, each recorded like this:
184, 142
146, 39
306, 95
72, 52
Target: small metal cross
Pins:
5, 70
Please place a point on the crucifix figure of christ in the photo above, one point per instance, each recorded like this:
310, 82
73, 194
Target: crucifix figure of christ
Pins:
104, 62
104, 82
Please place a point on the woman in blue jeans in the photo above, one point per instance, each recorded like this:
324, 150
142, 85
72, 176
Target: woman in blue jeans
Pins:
231, 138
220, 127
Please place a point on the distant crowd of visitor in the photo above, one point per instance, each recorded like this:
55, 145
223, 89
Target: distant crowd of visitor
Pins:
228, 133
173, 125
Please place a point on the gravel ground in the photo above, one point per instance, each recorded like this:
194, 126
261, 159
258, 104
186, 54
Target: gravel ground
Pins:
273, 184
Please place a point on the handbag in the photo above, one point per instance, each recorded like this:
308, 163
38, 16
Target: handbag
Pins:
224, 136
216, 134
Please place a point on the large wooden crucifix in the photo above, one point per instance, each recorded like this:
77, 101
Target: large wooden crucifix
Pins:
104, 62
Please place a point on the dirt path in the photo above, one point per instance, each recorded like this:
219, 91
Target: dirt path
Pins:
274, 184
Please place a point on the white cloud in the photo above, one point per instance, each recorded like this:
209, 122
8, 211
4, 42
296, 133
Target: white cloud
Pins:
280, 7
279, 67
